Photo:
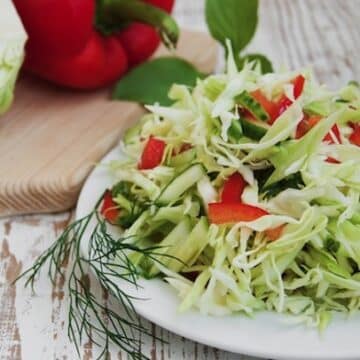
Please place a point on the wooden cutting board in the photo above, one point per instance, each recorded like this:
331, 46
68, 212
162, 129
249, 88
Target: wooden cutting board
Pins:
51, 138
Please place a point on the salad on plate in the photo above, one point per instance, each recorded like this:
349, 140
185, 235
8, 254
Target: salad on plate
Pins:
243, 195
248, 187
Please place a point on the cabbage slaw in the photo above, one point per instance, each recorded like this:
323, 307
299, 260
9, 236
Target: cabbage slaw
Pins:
308, 187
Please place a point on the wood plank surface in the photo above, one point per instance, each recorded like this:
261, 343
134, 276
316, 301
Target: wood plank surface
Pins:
51, 138
296, 33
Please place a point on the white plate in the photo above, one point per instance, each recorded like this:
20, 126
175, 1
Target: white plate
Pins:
265, 336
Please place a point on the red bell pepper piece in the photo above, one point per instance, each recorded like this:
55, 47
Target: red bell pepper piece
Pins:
302, 127
152, 154
233, 188
284, 102
223, 213
184, 147
275, 109
67, 44
306, 124
109, 208
269, 106
309, 122
353, 125
355, 135
336, 132
298, 83
332, 160
274, 233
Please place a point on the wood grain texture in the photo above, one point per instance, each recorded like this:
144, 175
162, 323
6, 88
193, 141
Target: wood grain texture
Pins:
324, 33
51, 138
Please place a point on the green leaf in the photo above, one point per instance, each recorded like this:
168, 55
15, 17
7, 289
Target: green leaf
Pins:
293, 181
235, 20
151, 81
265, 63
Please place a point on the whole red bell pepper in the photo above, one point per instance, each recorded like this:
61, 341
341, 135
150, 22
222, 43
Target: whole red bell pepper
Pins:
88, 44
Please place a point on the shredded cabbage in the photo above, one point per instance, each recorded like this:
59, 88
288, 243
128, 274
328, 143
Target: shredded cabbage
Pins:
312, 268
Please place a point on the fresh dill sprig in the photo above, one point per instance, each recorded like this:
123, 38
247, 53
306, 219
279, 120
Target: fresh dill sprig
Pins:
108, 260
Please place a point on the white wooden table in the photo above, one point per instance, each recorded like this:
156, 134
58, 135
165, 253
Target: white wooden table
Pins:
295, 33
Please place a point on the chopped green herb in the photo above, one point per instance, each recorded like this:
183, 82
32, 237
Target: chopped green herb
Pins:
293, 181
332, 245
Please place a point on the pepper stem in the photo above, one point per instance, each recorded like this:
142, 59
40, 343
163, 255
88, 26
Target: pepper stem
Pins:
112, 12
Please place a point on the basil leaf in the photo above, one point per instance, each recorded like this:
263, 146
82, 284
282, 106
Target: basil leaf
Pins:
235, 20
265, 63
150, 82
